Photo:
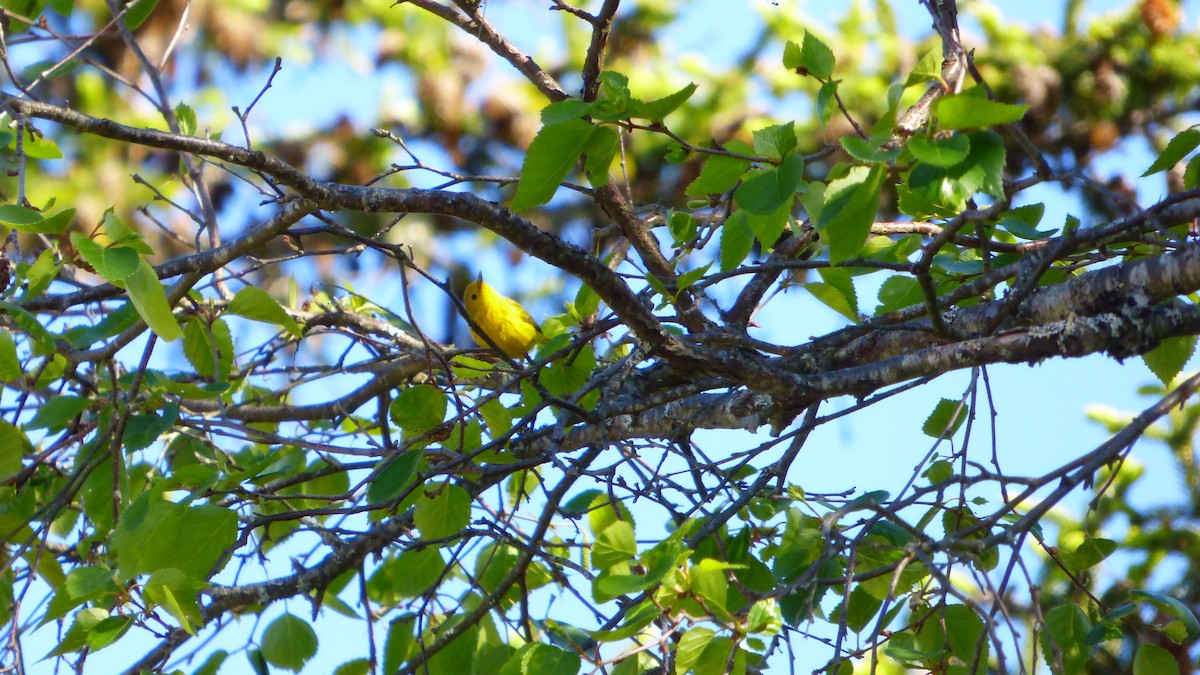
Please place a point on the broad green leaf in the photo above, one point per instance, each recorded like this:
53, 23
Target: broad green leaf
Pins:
849, 210
832, 298
155, 534
766, 190
187, 119
76, 636
613, 100
683, 227
815, 58
1167, 360
535, 658
938, 471
1088, 554
176, 593
10, 364
115, 263
603, 513
146, 293
551, 156
399, 643
777, 141
943, 152
600, 150
57, 411
941, 192
289, 643
395, 476
120, 233
768, 227
691, 646
25, 219
898, 292
867, 151
256, 304
714, 660
142, 429
13, 445
1154, 660
825, 97
445, 514
213, 663
614, 545
568, 109
928, 68
967, 111
1171, 606
635, 620
419, 409
659, 108
736, 240
861, 610
1065, 630
208, 347
41, 147
709, 580
1177, 148
720, 172
40, 275
946, 418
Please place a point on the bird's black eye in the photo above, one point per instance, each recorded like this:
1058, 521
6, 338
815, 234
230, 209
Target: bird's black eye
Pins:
474, 296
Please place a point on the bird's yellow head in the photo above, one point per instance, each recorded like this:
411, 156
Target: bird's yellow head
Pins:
476, 294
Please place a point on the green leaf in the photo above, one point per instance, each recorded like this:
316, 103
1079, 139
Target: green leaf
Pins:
816, 57
720, 172
768, 227
25, 219
714, 660
567, 109
766, 190
355, 667
601, 149
257, 305
213, 663
40, 147
394, 477
415, 572
938, 471
148, 298
535, 658
936, 192
12, 449
635, 620
849, 210
927, 69
1023, 221
943, 152
1154, 660
1167, 360
1088, 554
898, 292
187, 119
40, 275
963, 629
289, 642
114, 264
56, 412
825, 97
143, 429
968, 111
658, 109
614, 100
736, 240
399, 643
832, 298
862, 608
120, 233
866, 150
76, 636
10, 363
551, 156
709, 580
777, 141
946, 418
1177, 148
1066, 628
155, 534
691, 646
1171, 606
616, 544
445, 514
419, 409
208, 347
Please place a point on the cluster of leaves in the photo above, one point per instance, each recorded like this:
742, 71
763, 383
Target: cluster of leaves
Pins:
452, 495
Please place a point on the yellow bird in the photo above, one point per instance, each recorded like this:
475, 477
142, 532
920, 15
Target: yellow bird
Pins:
502, 318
